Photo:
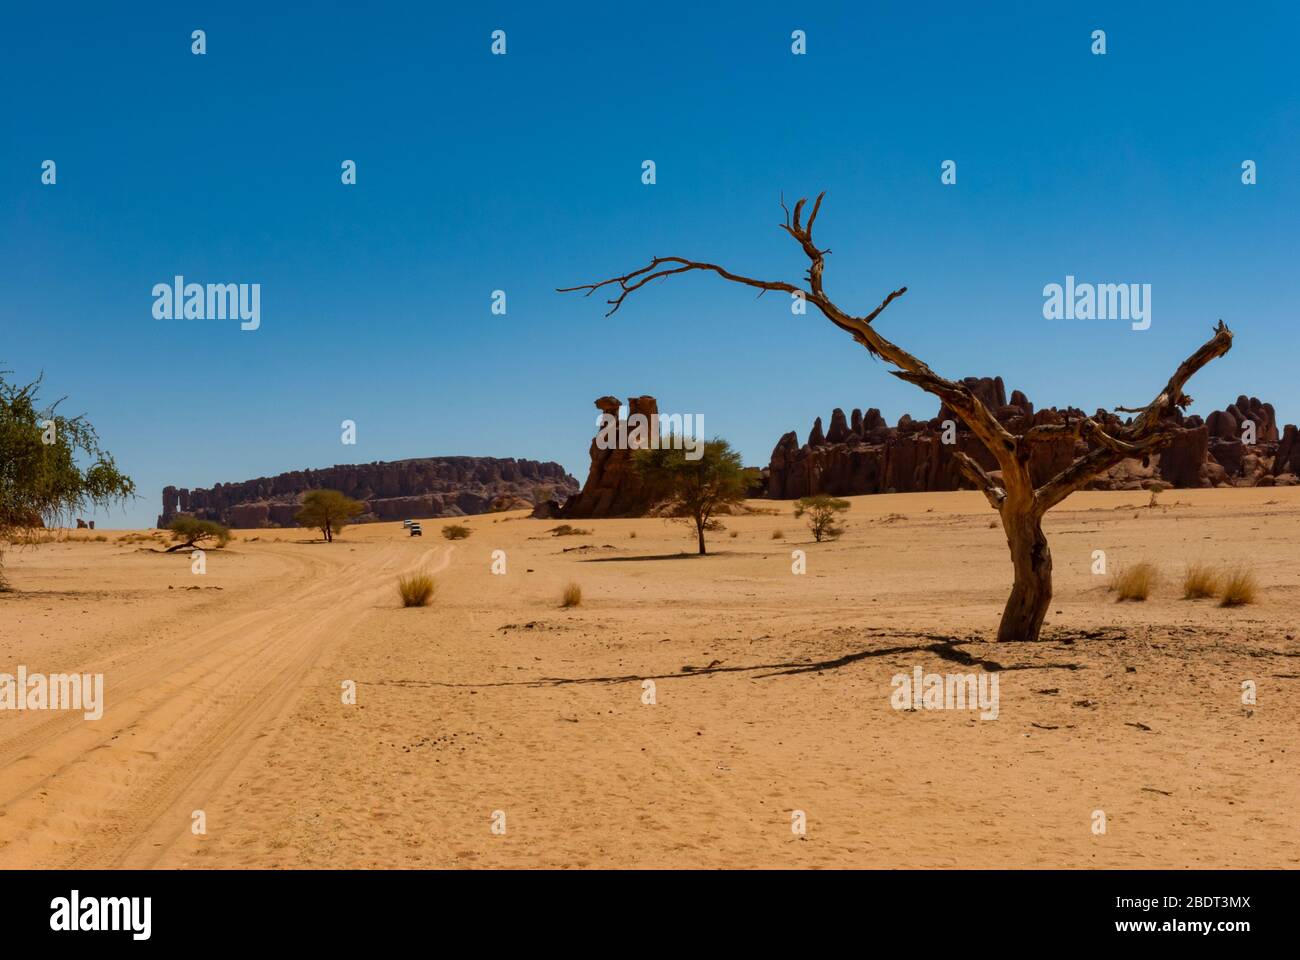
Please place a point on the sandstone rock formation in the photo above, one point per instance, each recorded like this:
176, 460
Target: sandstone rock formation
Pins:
612, 488
393, 490
1287, 460
861, 453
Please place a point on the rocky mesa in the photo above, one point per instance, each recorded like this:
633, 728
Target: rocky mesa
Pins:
391, 490
1240, 445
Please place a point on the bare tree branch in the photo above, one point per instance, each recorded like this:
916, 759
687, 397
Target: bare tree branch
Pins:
983, 482
1148, 433
1047, 432
962, 401
1138, 448
1172, 396
957, 395
637, 279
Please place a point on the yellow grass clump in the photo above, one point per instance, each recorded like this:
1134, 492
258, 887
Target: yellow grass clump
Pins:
1199, 581
1136, 582
1239, 587
572, 596
416, 590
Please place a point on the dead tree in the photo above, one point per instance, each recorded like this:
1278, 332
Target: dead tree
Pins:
1012, 494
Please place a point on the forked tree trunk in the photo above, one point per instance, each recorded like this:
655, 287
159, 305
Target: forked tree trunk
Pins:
1022, 618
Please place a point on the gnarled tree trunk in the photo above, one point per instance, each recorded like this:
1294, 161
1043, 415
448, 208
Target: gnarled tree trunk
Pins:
1031, 593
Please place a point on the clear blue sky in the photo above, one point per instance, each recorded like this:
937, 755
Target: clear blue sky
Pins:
523, 173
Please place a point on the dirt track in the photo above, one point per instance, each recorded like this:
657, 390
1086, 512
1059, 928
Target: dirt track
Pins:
186, 710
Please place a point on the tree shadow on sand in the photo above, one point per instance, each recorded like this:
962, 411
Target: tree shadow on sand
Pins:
655, 556
942, 646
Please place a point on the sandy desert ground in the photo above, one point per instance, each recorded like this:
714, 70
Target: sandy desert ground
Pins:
772, 695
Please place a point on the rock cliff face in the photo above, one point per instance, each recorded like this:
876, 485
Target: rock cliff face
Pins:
395, 490
861, 453
612, 488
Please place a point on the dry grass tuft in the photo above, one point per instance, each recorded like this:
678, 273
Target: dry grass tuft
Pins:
1136, 582
1199, 581
417, 590
1239, 588
572, 596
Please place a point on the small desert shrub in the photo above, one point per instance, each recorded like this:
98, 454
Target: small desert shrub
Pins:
566, 530
1136, 582
416, 590
1156, 488
1199, 582
1239, 587
734, 534
455, 531
777, 534
572, 596
632, 535
823, 513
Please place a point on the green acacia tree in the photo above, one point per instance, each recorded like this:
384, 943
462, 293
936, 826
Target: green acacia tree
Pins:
51, 466
329, 511
693, 489
192, 532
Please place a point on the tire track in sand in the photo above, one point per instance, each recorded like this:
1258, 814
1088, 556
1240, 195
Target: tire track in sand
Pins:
119, 791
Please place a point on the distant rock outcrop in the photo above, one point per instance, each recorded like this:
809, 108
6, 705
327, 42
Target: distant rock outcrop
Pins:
393, 490
861, 453
612, 488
